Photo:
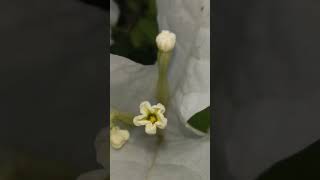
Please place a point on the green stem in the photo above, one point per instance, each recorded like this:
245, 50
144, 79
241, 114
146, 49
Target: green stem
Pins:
122, 116
162, 93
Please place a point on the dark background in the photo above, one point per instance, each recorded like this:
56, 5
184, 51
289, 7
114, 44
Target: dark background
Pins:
266, 89
103, 4
53, 87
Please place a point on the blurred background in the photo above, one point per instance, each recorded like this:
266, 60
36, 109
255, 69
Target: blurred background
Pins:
135, 32
53, 84
53, 80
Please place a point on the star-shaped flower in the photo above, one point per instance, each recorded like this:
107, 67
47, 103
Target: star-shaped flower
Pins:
151, 117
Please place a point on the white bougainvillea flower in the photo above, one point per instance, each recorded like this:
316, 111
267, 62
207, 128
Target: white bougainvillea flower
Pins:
118, 137
182, 155
114, 15
166, 41
151, 117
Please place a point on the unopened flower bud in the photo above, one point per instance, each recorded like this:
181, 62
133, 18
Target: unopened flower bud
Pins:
166, 41
118, 137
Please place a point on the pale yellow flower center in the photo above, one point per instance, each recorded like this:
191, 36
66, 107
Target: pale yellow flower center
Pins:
152, 118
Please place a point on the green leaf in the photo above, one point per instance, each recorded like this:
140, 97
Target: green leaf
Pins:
134, 34
152, 10
133, 5
144, 32
201, 120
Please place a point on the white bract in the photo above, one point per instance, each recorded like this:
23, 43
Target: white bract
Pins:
166, 41
182, 155
151, 117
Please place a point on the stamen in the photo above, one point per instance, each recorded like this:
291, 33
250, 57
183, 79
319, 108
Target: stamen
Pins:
152, 118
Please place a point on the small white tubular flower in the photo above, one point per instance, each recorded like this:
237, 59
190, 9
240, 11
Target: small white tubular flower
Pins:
151, 117
166, 41
118, 137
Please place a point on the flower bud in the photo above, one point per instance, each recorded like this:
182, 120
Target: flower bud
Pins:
118, 137
166, 41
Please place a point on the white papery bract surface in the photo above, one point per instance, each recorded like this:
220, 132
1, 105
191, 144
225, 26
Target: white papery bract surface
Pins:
181, 155
190, 67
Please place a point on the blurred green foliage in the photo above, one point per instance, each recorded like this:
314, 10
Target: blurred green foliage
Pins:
134, 34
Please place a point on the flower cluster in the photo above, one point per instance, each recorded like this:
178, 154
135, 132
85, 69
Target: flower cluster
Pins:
173, 157
152, 117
